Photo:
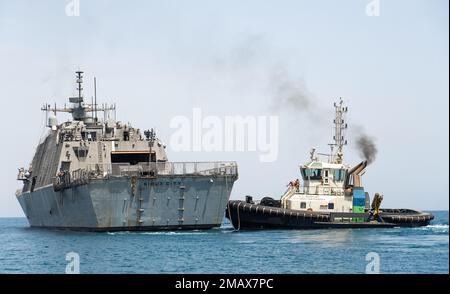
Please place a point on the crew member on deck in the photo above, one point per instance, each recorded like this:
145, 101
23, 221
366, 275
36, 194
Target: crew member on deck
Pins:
297, 185
291, 184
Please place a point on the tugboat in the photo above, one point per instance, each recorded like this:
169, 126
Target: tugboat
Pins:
331, 195
99, 174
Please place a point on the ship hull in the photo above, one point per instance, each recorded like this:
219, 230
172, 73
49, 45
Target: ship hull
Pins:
244, 215
131, 204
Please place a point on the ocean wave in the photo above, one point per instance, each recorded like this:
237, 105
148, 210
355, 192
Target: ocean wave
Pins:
158, 233
173, 233
438, 226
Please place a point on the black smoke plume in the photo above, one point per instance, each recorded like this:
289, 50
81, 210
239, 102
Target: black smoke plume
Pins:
366, 147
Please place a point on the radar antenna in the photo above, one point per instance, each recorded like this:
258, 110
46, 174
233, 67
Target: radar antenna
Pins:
78, 109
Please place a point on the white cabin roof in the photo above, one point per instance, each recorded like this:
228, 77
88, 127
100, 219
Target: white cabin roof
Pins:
323, 164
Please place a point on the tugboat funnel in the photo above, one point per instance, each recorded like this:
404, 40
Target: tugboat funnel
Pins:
353, 178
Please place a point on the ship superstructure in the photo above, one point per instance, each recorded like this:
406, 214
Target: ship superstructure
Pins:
94, 173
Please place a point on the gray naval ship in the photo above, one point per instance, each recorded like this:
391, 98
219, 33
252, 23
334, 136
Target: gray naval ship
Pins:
104, 175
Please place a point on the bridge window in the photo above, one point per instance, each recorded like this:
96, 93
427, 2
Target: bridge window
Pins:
339, 175
313, 174
89, 136
132, 158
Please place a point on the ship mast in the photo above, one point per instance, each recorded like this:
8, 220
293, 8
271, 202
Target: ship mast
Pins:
79, 82
79, 112
339, 133
78, 109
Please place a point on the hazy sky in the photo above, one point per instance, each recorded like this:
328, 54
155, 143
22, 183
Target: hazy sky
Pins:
159, 59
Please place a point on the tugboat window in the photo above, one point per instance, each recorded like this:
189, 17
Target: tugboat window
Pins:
304, 176
302, 204
314, 174
339, 174
330, 205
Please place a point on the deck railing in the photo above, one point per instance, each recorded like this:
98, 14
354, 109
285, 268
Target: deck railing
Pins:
163, 168
66, 179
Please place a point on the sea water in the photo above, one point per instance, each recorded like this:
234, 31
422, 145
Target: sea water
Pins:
223, 250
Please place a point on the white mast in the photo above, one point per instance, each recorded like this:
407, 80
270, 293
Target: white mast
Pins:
339, 132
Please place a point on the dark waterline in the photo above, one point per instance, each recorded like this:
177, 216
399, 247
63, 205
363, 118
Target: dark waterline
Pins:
401, 250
